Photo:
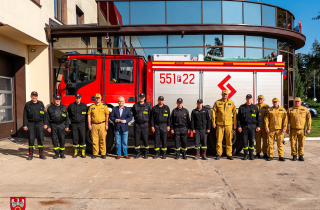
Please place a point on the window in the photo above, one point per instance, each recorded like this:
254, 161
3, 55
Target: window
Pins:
194, 52
6, 100
211, 12
79, 16
57, 9
123, 9
186, 40
214, 51
253, 53
183, 12
148, 12
232, 12
149, 41
290, 21
269, 15
83, 70
121, 72
252, 14
270, 43
60, 10
233, 40
253, 41
282, 19
213, 40
233, 52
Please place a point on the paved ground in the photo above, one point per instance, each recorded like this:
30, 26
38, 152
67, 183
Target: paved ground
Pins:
157, 184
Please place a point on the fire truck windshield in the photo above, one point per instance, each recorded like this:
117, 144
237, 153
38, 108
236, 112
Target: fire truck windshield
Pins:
121, 71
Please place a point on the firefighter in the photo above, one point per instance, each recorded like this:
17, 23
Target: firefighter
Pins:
249, 121
297, 117
141, 113
160, 125
200, 126
58, 124
262, 132
98, 118
77, 113
276, 124
180, 120
224, 109
34, 116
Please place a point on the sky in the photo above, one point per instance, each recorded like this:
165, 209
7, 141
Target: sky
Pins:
303, 10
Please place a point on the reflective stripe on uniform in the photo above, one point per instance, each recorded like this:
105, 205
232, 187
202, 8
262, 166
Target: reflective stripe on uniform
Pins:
62, 148
163, 149
177, 149
83, 145
245, 147
76, 145
197, 147
31, 146
146, 147
156, 149
39, 146
185, 149
55, 148
251, 147
137, 147
204, 147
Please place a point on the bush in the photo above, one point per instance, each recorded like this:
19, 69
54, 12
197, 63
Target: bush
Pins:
313, 104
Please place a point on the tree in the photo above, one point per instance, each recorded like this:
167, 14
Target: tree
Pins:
299, 84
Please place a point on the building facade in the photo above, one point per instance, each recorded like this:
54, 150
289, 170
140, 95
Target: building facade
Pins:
24, 52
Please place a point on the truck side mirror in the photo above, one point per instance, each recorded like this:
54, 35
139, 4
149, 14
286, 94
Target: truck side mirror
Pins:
67, 64
66, 75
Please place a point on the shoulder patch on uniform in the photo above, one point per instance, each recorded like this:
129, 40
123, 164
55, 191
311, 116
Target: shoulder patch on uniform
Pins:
280, 109
229, 103
220, 103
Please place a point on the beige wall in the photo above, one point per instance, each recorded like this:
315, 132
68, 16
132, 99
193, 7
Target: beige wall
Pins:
88, 7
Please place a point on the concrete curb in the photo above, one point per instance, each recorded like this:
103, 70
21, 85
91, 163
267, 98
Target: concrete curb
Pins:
307, 139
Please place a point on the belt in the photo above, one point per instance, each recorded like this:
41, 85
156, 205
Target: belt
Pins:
141, 123
99, 123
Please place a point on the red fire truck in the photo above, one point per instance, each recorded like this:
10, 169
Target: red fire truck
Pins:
172, 76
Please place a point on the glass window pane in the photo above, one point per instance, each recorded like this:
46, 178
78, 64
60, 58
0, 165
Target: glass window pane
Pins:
291, 60
87, 70
232, 12
121, 71
282, 21
148, 12
187, 40
183, 12
290, 21
269, 15
283, 46
150, 51
268, 52
233, 52
252, 14
149, 41
214, 51
5, 99
6, 115
270, 43
291, 49
123, 9
253, 53
233, 40
285, 59
254, 41
211, 11
5, 84
213, 40
193, 51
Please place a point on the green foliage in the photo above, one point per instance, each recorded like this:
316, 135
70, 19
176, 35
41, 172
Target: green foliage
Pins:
299, 84
313, 104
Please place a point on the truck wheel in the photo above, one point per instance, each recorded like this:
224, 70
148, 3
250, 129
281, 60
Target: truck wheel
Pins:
237, 142
110, 140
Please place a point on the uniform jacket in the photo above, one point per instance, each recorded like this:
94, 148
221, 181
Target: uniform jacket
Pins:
200, 119
160, 115
98, 113
57, 115
248, 114
141, 113
34, 112
126, 115
262, 110
180, 118
224, 111
298, 116
77, 112
276, 118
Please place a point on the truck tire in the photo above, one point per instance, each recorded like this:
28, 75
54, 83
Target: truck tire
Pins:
237, 142
110, 140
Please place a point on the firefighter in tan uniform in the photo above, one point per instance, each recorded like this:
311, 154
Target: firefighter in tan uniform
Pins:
276, 124
298, 116
262, 133
224, 109
98, 117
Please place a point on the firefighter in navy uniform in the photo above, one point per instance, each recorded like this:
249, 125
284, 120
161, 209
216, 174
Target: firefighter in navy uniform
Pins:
77, 113
34, 116
141, 113
160, 125
200, 126
249, 121
179, 122
58, 124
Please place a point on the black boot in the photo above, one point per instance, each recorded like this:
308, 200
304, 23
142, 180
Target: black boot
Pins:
270, 158
30, 157
251, 156
146, 152
184, 154
83, 152
294, 158
177, 154
62, 154
245, 154
138, 154
301, 158
230, 157
157, 154
282, 159
218, 157
164, 156
197, 154
75, 154
265, 156
41, 154
56, 154
258, 155
204, 154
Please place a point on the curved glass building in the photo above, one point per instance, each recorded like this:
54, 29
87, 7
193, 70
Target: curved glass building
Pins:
230, 28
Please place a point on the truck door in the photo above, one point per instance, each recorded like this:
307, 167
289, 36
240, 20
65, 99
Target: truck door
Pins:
270, 85
239, 84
